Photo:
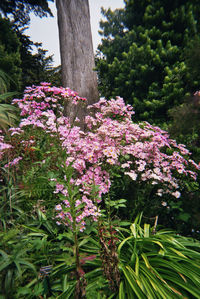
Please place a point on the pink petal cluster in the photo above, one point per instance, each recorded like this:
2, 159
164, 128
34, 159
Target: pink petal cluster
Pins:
3, 145
89, 210
39, 98
14, 162
140, 151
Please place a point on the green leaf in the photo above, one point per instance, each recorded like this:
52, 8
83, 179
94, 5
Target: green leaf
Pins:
5, 264
184, 216
146, 230
121, 291
133, 281
67, 294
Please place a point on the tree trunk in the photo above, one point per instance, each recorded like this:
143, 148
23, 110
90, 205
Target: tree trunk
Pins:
77, 56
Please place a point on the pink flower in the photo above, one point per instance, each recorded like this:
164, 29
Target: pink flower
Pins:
59, 188
58, 207
14, 162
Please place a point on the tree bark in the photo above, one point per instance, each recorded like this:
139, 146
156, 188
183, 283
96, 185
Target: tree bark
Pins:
76, 48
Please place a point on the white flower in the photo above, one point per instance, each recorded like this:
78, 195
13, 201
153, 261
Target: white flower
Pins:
154, 183
160, 192
176, 194
132, 175
125, 165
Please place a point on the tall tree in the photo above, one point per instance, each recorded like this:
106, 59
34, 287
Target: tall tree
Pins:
20, 9
77, 57
141, 55
16, 49
10, 60
36, 67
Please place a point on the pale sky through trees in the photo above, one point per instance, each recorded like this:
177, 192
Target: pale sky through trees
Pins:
45, 30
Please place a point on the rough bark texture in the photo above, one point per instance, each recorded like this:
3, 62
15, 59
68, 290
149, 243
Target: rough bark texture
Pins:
77, 56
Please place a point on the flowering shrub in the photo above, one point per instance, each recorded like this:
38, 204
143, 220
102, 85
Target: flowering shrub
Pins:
3, 145
84, 160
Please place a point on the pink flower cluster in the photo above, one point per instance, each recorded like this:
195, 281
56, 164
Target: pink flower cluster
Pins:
14, 162
140, 151
3, 146
40, 98
89, 210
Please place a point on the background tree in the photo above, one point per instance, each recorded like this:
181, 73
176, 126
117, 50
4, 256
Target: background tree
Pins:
17, 60
10, 60
77, 57
40, 66
20, 10
141, 55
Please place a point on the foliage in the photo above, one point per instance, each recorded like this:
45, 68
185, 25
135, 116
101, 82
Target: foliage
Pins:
37, 66
19, 67
185, 121
8, 113
7, 116
20, 10
141, 55
10, 59
192, 60
158, 264
14, 262
185, 128
43, 243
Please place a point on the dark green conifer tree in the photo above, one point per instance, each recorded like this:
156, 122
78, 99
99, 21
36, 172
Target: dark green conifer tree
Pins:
10, 59
142, 55
21, 65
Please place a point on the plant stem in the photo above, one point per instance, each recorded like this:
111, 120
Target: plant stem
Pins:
81, 282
